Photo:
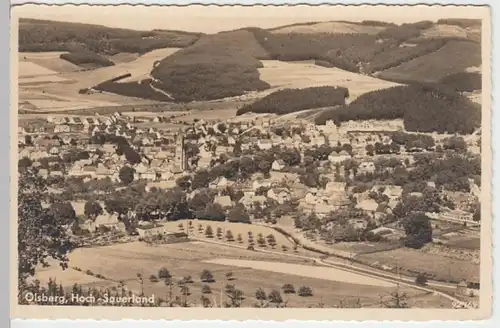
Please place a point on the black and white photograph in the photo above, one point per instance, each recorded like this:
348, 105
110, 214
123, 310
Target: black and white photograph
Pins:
206, 157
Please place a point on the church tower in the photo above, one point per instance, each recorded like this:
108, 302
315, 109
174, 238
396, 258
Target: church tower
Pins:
180, 155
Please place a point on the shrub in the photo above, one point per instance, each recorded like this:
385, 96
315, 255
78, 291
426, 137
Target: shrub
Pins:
153, 278
293, 100
90, 273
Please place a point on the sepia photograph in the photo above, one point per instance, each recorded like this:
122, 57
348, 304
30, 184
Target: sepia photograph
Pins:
333, 160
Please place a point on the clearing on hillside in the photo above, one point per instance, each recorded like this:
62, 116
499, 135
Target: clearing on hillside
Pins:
299, 75
67, 97
454, 57
49, 60
330, 27
30, 69
445, 31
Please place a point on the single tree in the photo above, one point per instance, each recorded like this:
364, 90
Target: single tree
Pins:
219, 233
187, 279
229, 235
239, 238
206, 276
261, 241
260, 294
230, 276
234, 295
275, 297
421, 279
163, 274
206, 289
209, 232
271, 240
305, 291
288, 289
93, 209
205, 301
126, 174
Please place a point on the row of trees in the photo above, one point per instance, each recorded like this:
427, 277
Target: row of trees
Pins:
178, 295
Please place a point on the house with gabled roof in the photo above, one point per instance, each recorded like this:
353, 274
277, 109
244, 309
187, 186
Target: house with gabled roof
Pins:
62, 128
224, 201
161, 155
280, 195
148, 175
156, 163
278, 165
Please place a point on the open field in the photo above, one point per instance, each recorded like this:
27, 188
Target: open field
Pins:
440, 267
123, 57
306, 271
330, 27
282, 75
62, 83
138, 68
122, 262
236, 229
48, 60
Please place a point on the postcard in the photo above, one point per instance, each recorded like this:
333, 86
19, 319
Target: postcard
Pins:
307, 162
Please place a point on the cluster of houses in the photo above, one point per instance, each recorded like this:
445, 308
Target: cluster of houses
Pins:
164, 158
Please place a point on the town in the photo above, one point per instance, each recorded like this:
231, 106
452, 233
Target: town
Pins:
327, 184
302, 166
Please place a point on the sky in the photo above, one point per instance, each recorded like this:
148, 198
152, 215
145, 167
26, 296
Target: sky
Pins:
213, 19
